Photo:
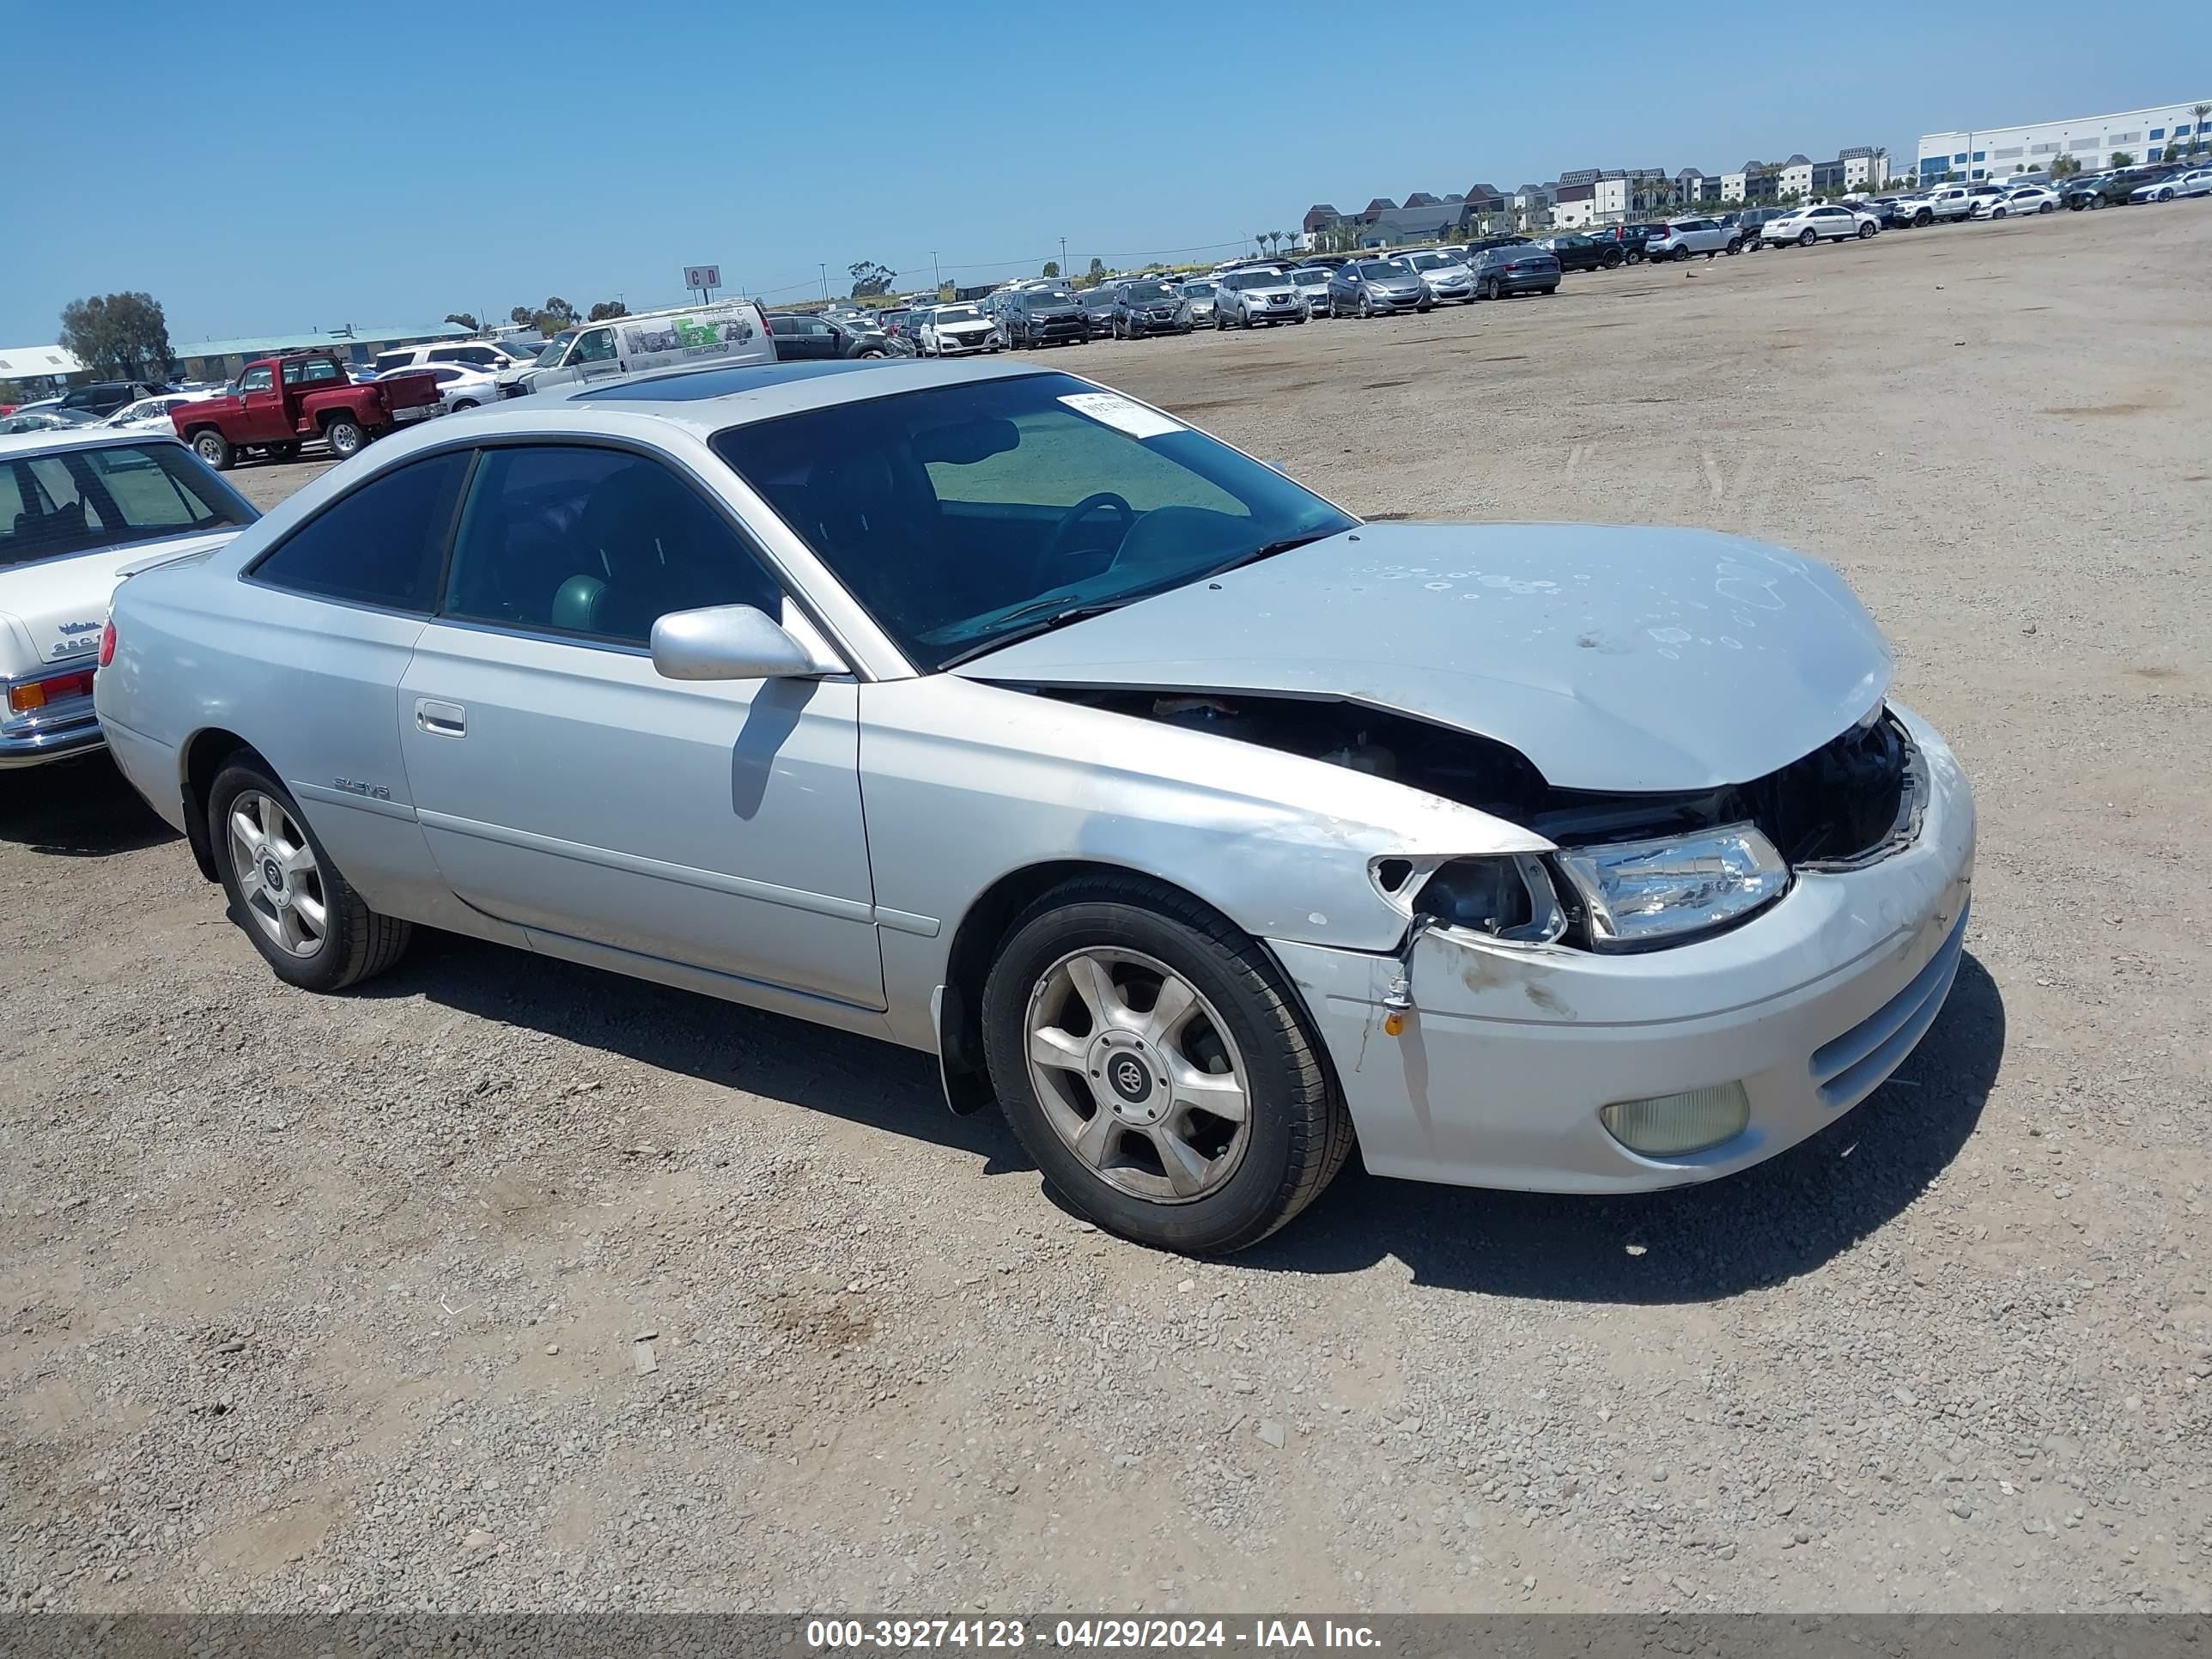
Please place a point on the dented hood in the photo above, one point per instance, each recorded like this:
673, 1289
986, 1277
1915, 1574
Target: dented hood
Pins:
1614, 657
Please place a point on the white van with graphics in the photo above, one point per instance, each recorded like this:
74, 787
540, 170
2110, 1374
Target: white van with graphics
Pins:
726, 332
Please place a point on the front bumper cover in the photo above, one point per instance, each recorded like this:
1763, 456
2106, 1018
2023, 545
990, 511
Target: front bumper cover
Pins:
1509, 1053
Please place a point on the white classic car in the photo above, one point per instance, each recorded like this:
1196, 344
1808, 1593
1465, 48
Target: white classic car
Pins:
78, 508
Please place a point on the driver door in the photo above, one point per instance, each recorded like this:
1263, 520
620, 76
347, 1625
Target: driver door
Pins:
265, 420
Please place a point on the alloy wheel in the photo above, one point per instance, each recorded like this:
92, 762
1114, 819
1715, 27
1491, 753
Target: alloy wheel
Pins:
1136, 1072
279, 882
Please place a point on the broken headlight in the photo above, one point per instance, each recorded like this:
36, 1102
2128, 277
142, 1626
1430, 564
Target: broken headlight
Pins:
1510, 897
1638, 894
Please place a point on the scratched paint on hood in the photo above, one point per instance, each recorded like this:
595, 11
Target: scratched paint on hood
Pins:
1614, 657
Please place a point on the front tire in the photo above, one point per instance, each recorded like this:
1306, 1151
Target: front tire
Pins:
461, 403
1149, 1058
303, 915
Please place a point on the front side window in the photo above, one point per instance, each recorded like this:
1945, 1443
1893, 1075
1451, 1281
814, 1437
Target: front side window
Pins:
52, 505
596, 346
256, 379
380, 544
963, 515
570, 539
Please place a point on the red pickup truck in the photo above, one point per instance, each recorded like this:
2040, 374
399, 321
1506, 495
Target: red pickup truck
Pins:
279, 403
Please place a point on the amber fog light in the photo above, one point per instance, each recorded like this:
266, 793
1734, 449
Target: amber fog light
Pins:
1672, 1126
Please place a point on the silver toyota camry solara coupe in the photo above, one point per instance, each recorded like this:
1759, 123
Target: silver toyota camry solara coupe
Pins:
984, 710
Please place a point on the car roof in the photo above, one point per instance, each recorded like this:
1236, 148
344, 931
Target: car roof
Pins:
709, 399
94, 434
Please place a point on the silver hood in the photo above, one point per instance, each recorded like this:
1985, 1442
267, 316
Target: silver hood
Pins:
1614, 657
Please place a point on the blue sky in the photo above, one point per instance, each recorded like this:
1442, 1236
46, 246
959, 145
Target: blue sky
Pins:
391, 163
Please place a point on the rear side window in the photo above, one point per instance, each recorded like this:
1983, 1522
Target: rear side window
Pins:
382, 544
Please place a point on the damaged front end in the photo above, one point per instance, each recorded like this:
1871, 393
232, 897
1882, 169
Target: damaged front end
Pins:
1628, 872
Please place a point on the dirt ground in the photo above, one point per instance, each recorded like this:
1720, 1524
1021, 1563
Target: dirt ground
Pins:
336, 1303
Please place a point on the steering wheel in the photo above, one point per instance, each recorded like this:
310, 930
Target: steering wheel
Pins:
1083, 509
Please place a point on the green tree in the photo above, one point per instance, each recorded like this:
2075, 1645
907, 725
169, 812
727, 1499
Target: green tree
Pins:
522, 316
1051, 268
2064, 167
604, 309
871, 278
466, 320
1097, 268
2122, 158
2197, 136
124, 335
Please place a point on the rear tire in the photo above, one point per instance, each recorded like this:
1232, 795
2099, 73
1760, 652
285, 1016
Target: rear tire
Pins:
214, 448
346, 437
353, 942
1248, 1176
1807, 237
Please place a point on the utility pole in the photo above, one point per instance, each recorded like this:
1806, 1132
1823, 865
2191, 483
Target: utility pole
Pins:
1063, 257
934, 273
823, 266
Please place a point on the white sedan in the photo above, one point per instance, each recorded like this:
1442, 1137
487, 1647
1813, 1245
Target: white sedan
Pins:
2197, 181
2015, 204
461, 387
78, 507
1826, 222
152, 414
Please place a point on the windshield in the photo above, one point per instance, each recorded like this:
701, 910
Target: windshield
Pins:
550, 353
1307, 276
1383, 270
958, 315
1149, 291
950, 514
85, 500
1199, 290
1428, 262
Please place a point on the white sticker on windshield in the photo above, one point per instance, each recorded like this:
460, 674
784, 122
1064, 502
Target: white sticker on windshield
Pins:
1113, 410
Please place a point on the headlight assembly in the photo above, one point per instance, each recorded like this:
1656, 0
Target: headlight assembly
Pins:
1507, 896
1642, 893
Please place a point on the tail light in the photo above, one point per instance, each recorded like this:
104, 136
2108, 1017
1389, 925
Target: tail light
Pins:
107, 643
27, 696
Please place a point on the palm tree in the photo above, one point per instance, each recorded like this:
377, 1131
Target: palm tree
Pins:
2197, 137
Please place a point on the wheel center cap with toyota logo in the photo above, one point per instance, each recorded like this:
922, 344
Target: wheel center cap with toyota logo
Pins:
1135, 1081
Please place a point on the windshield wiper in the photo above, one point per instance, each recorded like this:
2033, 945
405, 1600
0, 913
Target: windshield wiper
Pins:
1289, 544
1069, 611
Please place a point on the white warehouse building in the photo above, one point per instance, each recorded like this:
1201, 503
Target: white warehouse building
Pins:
2089, 141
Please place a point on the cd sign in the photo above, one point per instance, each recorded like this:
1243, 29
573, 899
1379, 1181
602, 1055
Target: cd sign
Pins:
702, 276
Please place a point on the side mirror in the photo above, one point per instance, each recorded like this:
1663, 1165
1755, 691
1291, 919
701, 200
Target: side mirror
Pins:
728, 642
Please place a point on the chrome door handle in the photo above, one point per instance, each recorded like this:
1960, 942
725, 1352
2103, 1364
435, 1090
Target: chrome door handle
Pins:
440, 720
